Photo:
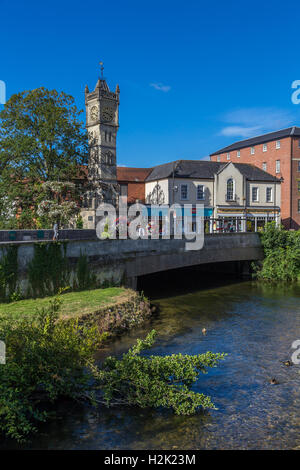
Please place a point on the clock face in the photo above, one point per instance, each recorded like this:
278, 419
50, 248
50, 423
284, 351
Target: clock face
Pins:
94, 113
107, 114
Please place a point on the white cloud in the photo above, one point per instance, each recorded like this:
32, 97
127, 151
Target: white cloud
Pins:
239, 130
161, 87
254, 121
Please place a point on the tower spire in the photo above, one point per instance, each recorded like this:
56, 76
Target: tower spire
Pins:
101, 70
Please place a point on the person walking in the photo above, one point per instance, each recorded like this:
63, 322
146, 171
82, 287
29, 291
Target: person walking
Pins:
55, 229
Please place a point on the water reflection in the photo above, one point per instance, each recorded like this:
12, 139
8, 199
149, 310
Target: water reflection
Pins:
256, 325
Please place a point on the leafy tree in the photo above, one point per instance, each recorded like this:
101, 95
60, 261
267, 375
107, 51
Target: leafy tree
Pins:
59, 204
41, 139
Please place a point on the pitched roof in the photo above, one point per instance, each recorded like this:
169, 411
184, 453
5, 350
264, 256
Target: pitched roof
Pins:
136, 175
205, 170
253, 173
289, 132
185, 169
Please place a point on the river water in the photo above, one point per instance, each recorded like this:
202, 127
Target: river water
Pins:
255, 325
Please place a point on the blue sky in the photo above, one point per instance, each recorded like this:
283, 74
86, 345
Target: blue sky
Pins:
194, 76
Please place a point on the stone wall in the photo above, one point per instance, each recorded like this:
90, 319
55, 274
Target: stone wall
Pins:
120, 317
40, 235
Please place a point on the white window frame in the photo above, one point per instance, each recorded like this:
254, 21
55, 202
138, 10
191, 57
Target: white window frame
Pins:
277, 166
252, 150
264, 166
203, 192
228, 156
265, 147
238, 153
278, 144
187, 191
218, 158
257, 194
271, 189
233, 189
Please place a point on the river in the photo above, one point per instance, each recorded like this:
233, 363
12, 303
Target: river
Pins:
255, 325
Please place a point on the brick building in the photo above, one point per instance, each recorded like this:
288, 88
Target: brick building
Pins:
277, 153
132, 183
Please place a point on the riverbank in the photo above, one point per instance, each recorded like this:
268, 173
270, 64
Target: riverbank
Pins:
256, 324
113, 309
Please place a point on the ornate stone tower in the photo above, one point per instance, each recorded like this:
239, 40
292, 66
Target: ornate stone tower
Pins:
102, 122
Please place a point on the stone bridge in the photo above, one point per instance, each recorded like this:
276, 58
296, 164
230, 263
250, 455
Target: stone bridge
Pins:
126, 260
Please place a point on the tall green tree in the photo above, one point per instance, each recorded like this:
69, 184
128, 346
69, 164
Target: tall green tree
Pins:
42, 138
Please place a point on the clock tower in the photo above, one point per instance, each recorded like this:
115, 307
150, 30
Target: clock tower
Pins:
102, 122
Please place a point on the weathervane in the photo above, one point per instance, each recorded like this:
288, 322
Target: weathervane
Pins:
101, 68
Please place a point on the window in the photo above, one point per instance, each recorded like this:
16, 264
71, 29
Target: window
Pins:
230, 190
254, 194
228, 156
124, 189
238, 153
278, 144
252, 150
269, 194
299, 186
299, 143
264, 166
265, 147
299, 165
218, 158
184, 191
277, 168
200, 192
298, 205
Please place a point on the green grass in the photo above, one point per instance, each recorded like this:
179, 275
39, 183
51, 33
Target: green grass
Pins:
74, 303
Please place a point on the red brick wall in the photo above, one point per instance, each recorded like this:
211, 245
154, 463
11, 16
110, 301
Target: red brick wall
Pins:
269, 157
136, 191
295, 179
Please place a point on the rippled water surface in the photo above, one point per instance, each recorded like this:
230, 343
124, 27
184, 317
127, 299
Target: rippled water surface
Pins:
256, 326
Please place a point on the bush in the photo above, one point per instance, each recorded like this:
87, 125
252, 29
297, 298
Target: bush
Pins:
155, 381
282, 255
45, 359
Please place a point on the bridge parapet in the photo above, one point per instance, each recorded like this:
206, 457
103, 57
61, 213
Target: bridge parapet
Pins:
119, 259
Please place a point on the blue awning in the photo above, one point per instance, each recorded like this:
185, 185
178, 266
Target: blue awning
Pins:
160, 211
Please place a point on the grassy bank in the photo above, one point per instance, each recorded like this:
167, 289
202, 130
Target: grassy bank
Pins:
73, 303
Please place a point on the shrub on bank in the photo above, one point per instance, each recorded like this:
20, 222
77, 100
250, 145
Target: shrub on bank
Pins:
281, 254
